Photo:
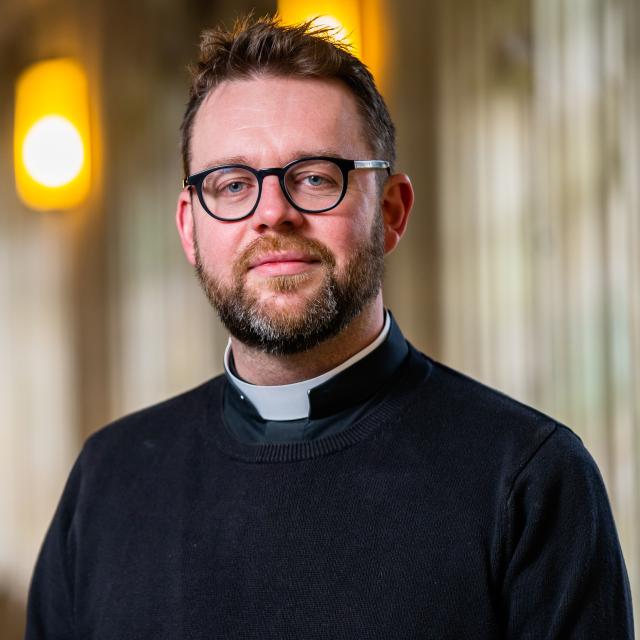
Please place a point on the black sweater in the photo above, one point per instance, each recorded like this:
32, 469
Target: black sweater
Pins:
448, 511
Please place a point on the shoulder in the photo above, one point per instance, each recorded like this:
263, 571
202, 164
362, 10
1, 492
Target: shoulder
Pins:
485, 432
157, 427
465, 407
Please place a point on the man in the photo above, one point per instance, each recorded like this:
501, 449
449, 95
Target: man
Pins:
334, 483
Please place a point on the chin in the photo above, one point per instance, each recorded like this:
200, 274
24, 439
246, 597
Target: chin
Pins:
285, 305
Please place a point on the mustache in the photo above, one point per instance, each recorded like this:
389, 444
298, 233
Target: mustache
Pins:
256, 248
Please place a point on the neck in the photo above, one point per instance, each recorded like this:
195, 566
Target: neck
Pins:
261, 368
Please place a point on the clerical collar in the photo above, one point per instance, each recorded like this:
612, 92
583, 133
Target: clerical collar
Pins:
292, 401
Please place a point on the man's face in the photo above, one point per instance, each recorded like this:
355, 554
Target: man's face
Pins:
281, 280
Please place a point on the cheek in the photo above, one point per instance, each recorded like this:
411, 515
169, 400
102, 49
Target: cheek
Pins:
216, 247
351, 231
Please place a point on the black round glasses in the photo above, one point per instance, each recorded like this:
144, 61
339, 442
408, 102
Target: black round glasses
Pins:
312, 185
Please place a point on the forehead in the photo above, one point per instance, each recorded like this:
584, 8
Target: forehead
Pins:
273, 119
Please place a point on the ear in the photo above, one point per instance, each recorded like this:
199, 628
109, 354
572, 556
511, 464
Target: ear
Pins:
397, 202
186, 225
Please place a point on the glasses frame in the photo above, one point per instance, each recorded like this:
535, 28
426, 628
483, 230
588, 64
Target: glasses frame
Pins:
344, 165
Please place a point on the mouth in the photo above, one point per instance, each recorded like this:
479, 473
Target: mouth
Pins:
280, 263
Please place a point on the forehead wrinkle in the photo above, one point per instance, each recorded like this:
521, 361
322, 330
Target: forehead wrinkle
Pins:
266, 125
219, 99
268, 133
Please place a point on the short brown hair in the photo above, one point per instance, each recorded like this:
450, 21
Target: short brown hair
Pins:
266, 46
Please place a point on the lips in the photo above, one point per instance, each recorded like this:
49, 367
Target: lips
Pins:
281, 257
282, 263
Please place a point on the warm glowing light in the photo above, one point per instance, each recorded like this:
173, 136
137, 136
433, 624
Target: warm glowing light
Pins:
52, 151
360, 23
338, 30
343, 16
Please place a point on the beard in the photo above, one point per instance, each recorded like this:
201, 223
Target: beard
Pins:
281, 329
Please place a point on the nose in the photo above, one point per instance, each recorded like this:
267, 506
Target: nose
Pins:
274, 210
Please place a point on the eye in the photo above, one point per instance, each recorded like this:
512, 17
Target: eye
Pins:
314, 177
235, 187
315, 180
229, 182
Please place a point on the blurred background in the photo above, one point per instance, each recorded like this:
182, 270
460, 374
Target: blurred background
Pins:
519, 123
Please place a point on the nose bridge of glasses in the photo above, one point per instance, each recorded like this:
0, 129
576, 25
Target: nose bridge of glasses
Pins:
278, 173
271, 171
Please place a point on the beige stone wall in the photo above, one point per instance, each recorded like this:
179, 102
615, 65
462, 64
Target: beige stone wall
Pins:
537, 182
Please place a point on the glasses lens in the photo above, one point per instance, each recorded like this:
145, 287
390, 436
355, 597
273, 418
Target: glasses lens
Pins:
314, 185
230, 192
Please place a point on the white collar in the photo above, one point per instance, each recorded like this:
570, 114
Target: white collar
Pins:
291, 401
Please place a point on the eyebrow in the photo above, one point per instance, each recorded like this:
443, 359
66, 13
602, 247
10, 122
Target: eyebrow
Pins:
296, 155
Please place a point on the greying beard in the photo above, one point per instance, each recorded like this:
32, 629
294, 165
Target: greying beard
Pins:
338, 301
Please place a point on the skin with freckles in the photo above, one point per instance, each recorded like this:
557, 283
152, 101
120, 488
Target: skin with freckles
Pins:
280, 259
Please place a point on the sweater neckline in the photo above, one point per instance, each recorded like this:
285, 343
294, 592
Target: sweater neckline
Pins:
416, 369
288, 402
